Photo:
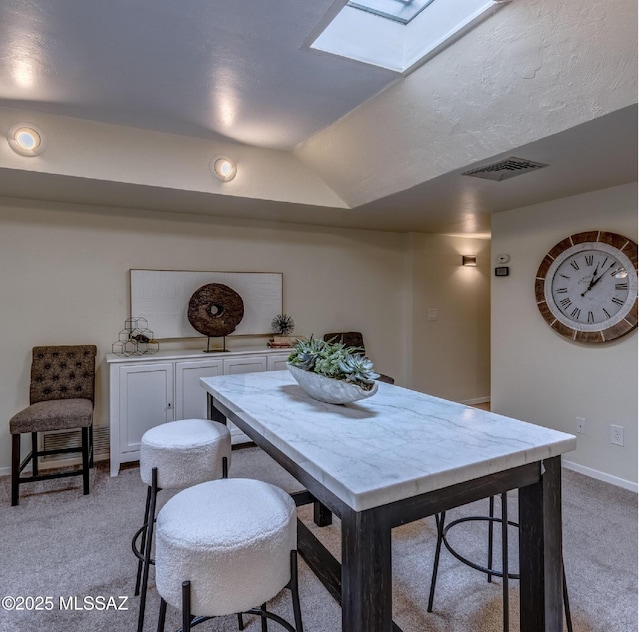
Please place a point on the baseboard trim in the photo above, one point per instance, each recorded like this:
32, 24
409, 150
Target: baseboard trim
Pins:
476, 400
601, 476
5, 471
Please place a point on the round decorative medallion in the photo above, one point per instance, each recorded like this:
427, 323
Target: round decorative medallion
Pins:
587, 286
215, 310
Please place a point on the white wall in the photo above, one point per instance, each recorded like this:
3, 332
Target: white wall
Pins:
64, 279
450, 355
544, 378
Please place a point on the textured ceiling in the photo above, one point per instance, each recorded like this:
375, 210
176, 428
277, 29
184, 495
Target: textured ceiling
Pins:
322, 140
233, 69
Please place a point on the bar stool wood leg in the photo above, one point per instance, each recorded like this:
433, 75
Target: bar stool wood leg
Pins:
34, 453
91, 446
15, 469
85, 460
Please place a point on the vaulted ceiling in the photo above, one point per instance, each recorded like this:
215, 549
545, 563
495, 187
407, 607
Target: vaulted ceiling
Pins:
135, 98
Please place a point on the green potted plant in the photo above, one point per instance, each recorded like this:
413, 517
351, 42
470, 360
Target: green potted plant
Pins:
332, 372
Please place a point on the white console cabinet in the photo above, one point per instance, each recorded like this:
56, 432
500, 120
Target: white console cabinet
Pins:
149, 390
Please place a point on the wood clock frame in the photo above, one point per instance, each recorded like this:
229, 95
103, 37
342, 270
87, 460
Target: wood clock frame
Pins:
583, 260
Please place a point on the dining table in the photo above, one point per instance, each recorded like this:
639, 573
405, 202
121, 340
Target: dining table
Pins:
394, 458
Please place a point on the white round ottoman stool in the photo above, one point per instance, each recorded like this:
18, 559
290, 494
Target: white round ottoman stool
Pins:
175, 455
227, 547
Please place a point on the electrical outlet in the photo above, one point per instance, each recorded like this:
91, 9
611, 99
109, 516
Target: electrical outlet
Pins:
581, 425
617, 435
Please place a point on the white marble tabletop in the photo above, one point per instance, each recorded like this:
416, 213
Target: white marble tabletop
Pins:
394, 445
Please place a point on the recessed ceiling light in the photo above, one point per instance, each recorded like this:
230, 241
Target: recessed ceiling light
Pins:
26, 139
223, 168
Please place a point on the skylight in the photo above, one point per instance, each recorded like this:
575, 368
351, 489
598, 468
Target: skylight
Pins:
399, 10
401, 35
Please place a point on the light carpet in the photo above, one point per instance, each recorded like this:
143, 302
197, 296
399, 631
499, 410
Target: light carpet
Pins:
61, 544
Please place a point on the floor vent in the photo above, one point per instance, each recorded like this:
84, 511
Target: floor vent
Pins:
72, 439
505, 169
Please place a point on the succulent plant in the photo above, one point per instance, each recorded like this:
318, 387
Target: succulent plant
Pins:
358, 368
305, 353
334, 360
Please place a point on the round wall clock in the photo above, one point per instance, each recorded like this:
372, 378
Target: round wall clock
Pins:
587, 286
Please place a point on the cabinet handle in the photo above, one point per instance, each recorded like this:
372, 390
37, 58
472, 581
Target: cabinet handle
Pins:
169, 405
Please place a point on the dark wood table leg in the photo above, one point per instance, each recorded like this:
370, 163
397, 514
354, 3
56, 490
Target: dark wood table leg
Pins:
541, 552
322, 516
366, 572
213, 413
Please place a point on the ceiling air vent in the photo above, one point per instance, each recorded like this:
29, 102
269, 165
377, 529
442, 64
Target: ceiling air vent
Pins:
508, 168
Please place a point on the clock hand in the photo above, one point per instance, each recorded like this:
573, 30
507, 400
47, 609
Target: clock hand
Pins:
609, 268
591, 283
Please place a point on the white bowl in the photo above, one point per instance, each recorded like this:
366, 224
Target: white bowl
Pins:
328, 390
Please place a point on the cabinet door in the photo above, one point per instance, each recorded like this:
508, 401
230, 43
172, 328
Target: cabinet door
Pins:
277, 362
245, 364
146, 400
191, 398
234, 366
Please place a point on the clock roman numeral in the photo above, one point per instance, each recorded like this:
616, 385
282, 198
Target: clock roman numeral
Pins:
565, 302
589, 259
590, 317
564, 276
575, 265
617, 301
622, 286
575, 313
617, 271
606, 312
561, 290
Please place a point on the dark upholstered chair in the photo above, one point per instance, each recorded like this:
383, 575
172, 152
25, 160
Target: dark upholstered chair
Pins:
353, 339
61, 397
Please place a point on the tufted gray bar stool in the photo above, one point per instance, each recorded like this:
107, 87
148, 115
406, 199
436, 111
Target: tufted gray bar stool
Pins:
175, 455
61, 397
227, 547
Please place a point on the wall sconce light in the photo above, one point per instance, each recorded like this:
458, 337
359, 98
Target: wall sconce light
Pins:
26, 139
223, 168
469, 260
